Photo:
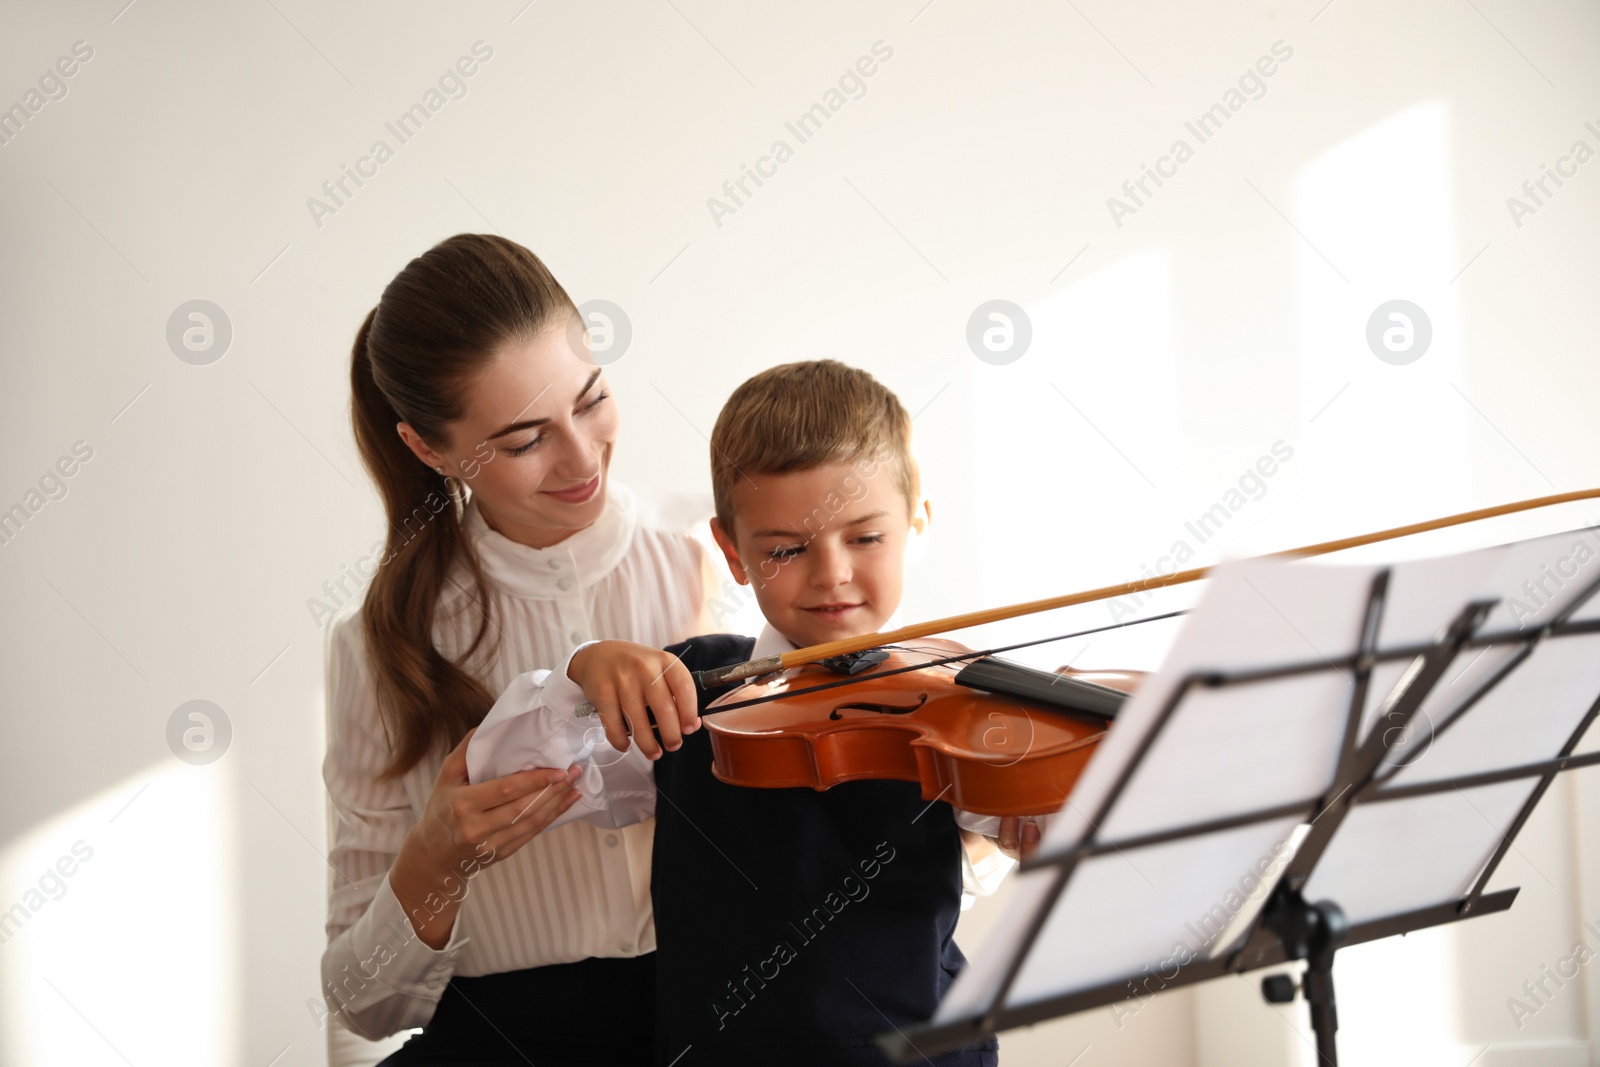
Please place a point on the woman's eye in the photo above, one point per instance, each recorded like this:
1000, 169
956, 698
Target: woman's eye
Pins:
591, 405
522, 449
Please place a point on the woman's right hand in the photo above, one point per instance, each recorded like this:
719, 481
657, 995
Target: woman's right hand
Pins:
466, 827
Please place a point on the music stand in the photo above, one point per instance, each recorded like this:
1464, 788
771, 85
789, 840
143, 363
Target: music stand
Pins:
1386, 841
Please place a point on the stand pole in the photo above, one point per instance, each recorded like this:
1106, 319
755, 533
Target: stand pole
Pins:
1312, 932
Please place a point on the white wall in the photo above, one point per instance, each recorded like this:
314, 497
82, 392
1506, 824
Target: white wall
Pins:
1227, 313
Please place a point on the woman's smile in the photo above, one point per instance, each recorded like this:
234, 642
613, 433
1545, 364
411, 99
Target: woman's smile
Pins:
578, 494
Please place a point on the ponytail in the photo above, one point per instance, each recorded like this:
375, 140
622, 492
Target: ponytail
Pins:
437, 322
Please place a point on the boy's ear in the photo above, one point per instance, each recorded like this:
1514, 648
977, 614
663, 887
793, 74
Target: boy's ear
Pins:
724, 541
917, 543
922, 516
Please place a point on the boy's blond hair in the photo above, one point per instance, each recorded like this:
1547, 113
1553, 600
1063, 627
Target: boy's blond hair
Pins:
800, 416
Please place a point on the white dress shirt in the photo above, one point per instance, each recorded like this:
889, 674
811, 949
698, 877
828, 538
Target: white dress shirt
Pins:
571, 893
533, 724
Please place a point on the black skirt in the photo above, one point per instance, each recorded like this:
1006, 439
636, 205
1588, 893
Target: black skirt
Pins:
593, 1013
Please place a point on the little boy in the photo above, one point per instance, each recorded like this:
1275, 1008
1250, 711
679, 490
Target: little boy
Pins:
791, 925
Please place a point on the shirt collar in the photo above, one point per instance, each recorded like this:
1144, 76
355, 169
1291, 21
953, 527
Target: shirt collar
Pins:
772, 643
566, 568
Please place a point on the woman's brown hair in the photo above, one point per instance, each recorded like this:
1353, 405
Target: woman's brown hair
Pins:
441, 319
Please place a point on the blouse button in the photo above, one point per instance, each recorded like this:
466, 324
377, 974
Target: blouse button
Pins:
627, 946
564, 584
555, 564
611, 841
577, 637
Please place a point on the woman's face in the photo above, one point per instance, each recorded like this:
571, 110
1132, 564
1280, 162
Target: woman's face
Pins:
534, 444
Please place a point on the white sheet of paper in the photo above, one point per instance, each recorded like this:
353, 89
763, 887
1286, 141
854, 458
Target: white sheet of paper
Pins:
1533, 581
1395, 856
1272, 741
1254, 614
1527, 717
1160, 906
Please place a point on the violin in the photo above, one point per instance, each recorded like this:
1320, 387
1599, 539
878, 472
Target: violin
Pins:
987, 735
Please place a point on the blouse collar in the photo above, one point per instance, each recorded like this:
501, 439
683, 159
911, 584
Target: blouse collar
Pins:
565, 568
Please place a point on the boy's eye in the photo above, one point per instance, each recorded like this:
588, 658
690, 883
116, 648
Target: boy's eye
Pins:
870, 539
785, 553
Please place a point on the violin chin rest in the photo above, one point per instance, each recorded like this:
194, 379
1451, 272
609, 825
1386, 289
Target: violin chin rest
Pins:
855, 662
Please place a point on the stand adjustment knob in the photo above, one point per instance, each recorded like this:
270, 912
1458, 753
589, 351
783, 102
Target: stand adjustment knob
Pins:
1278, 988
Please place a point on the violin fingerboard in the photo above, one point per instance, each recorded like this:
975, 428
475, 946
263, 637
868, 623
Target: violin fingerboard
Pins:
1058, 690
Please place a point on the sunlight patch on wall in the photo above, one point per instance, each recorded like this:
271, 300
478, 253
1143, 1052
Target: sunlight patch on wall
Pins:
1077, 443
1378, 210
141, 874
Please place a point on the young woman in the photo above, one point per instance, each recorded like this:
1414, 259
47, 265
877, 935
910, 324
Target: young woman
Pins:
489, 435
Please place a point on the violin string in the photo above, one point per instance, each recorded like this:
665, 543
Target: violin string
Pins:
854, 679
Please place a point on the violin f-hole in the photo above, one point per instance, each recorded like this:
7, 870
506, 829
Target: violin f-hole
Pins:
878, 709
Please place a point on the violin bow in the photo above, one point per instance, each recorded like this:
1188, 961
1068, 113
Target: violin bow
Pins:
766, 664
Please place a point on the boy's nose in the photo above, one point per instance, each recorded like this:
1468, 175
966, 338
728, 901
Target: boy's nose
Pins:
830, 569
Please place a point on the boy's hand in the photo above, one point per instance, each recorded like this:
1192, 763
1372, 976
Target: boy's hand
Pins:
626, 682
1019, 836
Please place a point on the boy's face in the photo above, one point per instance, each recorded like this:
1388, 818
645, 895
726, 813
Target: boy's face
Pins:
824, 549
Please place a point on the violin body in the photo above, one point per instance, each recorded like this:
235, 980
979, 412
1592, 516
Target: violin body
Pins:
980, 751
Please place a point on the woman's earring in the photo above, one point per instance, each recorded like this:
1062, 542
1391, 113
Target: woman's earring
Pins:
450, 484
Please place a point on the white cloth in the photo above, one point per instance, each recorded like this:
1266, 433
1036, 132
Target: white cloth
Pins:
575, 892
533, 725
